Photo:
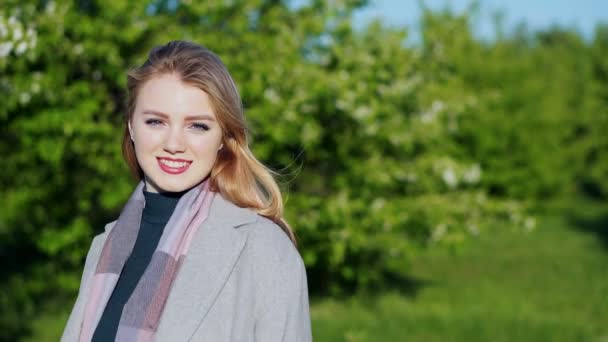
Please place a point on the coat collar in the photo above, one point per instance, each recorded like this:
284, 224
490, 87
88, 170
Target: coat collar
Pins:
224, 212
211, 256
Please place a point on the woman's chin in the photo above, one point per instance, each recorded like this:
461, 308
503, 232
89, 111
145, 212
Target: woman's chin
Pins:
174, 186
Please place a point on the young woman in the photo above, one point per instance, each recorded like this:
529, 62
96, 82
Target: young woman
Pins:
201, 251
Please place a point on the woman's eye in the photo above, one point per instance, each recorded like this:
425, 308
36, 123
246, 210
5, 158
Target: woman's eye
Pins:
200, 126
153, 122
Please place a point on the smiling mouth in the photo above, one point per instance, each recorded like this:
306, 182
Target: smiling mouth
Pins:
173, 166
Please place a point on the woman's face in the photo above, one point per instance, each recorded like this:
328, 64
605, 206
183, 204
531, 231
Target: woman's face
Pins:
175, 133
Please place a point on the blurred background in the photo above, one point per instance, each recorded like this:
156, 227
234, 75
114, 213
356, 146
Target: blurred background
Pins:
441, 160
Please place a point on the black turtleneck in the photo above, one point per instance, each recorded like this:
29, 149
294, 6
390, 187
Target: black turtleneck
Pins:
156, 214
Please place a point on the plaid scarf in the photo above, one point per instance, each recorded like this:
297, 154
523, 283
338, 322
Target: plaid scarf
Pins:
141, 314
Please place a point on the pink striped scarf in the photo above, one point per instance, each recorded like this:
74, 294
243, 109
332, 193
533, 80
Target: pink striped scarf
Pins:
141, 314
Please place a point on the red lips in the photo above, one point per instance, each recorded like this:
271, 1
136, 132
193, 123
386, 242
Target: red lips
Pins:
175, 166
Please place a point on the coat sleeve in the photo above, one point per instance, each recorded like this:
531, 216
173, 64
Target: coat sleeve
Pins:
282, 313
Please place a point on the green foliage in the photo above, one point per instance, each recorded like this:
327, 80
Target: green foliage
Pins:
387, 148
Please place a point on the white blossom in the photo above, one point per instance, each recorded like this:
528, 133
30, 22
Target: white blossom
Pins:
411, 177
24, 98
21, 47
437, 106
439, 232
17, 33
473, 175
473, 229
529, 224
78, 49
33, 42
3, 29
5, 49
431, 114
427, 117
50, 7
362, 112
378, 204
449, 178
271, 95
12, 22
342, 104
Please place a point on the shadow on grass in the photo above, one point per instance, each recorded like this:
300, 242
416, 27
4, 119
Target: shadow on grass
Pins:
593, 218
405, 285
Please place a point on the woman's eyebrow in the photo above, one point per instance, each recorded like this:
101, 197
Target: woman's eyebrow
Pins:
188, 118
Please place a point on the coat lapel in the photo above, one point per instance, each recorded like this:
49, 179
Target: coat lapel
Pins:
211, 257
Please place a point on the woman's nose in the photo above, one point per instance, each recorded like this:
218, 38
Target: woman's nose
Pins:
175, 141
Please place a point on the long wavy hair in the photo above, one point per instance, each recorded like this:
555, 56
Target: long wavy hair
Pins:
236, 174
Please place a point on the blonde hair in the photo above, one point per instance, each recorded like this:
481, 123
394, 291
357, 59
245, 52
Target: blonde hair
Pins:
236, 174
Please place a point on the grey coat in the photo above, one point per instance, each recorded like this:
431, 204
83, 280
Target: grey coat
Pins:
242, 280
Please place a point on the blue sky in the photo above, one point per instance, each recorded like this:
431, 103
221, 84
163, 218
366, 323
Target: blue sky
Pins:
537, 14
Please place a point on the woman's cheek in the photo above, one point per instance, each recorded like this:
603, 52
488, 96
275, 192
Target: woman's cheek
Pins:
206, 144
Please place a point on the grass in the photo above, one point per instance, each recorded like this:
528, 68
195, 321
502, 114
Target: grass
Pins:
547, 285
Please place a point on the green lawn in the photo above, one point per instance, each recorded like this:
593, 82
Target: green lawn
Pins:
547, 285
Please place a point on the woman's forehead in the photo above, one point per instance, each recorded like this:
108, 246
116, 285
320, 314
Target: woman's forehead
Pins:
168, 95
